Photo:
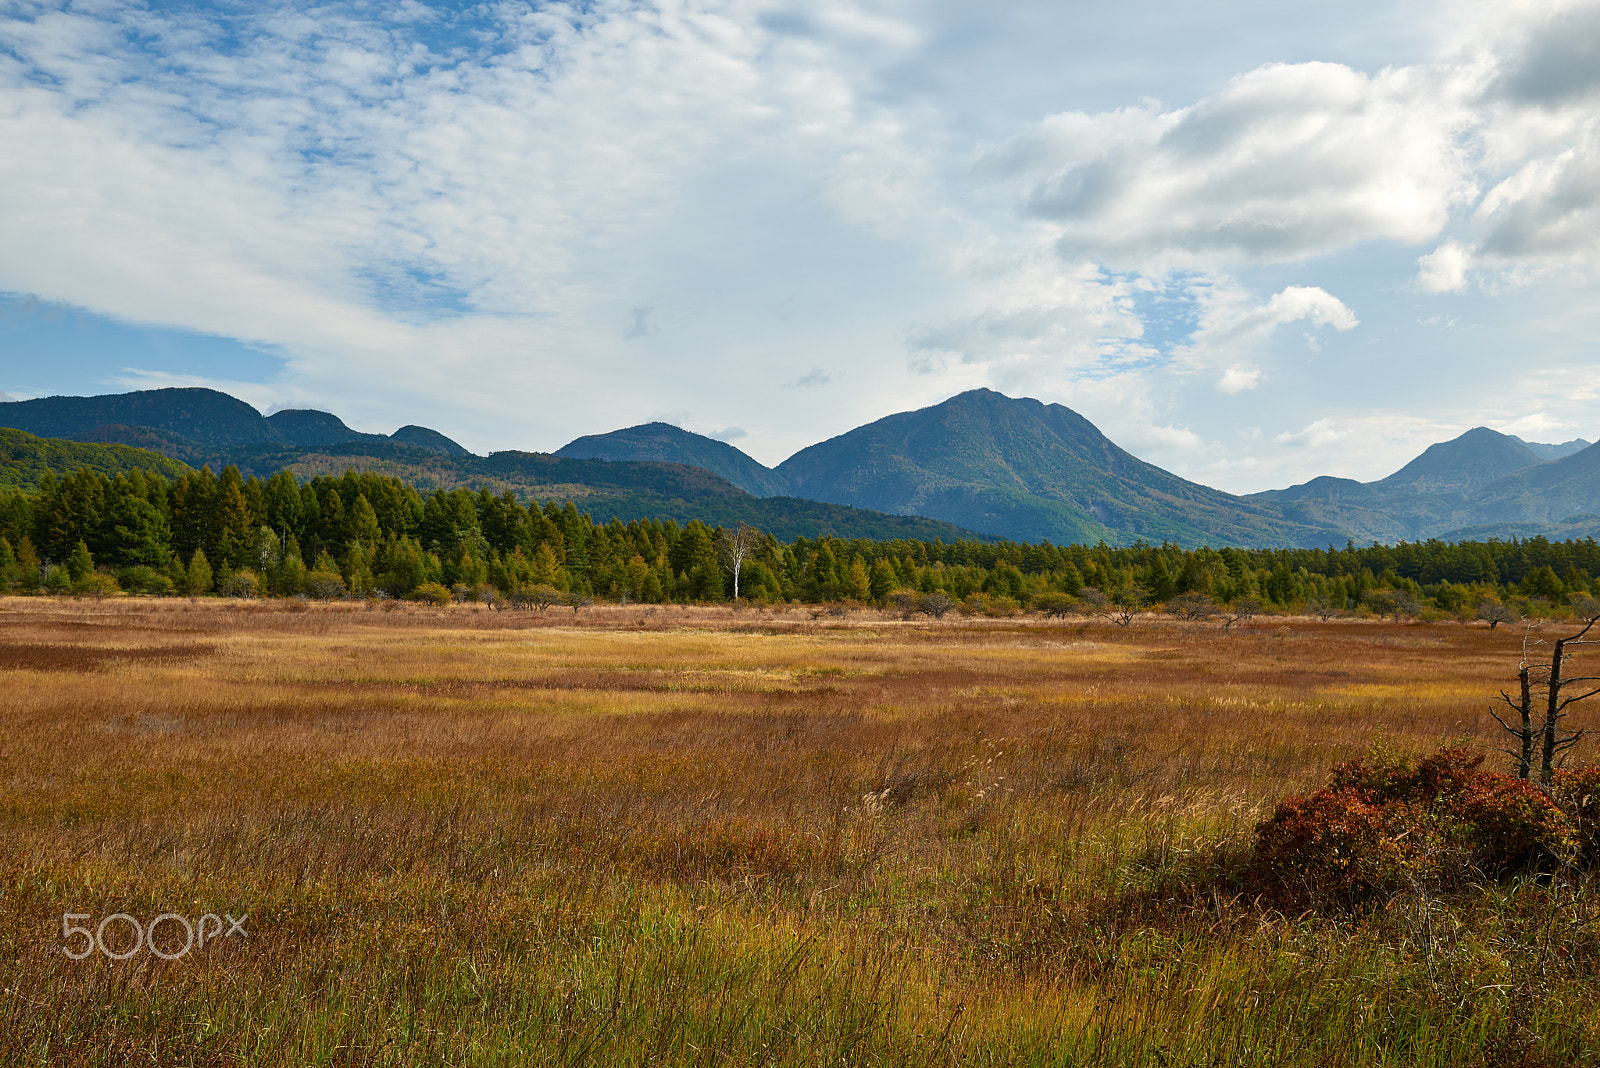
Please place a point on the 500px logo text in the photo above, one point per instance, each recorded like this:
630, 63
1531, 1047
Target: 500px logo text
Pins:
128, 936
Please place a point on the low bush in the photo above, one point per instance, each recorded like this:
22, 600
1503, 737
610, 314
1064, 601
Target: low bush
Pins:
1387, 824
432, 593
325, 585
96, 585
142, 579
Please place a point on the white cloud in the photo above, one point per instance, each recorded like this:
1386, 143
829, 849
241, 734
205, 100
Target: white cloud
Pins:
1288, 161
1444, 270
1538, 426
1232, 325
1237, 379
1172, 437
1549, 210
1313, 436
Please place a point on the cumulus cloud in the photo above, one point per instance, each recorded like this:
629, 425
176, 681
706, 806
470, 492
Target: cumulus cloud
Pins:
1548, 209
1173, 437
1288, 161
1237, 379
1294, 303
1556, 62
1444, 270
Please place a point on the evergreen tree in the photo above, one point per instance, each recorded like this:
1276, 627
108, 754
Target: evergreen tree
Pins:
198, 580
857, 585
10, 572
237, 529
363, 522
29, 566
882, 581
80, 565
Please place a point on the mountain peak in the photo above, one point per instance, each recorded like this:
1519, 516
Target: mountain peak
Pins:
1464, 463
665, 443
1555, 452
1028, 471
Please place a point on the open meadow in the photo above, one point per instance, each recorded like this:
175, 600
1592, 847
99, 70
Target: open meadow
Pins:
640, 836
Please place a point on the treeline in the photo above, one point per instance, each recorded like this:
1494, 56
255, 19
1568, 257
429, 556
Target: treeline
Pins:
367, 535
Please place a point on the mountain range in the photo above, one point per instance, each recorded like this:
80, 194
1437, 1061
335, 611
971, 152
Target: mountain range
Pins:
188, 423
977, 465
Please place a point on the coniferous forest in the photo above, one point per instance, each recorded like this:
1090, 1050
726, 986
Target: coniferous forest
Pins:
373, 536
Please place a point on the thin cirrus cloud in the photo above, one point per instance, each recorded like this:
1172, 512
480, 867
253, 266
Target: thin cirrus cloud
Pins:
523, 222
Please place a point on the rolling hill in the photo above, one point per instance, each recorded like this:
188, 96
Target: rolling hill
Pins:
24, 458
624, 489
664, 442
188, 423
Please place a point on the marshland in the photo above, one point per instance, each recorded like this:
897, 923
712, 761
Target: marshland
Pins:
672, 835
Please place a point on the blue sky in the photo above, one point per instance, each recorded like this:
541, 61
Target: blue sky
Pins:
1254, 242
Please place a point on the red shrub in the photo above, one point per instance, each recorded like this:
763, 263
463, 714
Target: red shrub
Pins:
1335, 843
1388, 823
1509, 822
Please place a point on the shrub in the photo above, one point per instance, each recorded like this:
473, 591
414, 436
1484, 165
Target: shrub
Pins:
1054, 604
242, 583
324, 585
432, 593
1193, 606
1577, 791
96, 585
1339, 846
538, 596
904, 602
1388, 823
143, 579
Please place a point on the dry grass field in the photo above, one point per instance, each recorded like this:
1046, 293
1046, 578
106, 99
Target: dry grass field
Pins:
683, 836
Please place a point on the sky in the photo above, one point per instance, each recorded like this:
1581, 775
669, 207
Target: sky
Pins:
1253, 242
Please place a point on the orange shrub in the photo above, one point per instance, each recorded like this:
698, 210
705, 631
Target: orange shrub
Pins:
1387, 824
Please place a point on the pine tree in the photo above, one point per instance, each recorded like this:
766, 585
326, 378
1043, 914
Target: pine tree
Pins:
363, 522
28, 565
198, 579
238, 530
80, 565
882, 581
10, 572
857, 586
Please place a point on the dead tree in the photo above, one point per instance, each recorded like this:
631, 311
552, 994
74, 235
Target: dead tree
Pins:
735, 546
1545, 689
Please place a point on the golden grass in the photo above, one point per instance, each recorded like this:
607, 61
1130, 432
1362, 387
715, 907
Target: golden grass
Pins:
643, 836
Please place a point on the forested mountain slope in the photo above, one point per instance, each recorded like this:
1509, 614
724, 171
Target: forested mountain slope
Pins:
1031, 472
666, 443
